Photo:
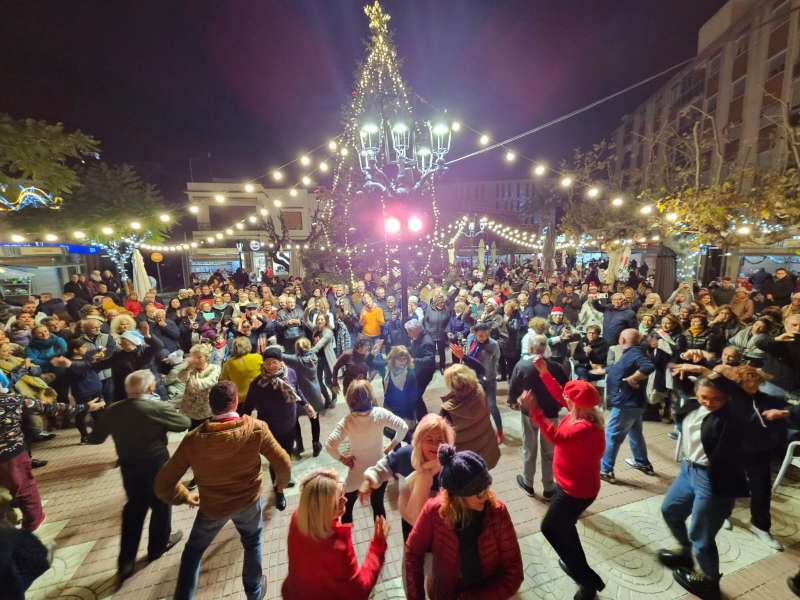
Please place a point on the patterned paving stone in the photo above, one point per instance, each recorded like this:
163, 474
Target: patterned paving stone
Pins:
621, 531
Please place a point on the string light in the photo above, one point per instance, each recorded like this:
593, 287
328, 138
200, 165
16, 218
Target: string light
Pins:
540, 170
194, 209
566, 182
50, 237
107, 231
164, 218
593, 192
511, 156
17, 238
135, 225
219, 198
305, 160
617, 201
646, 209
277, 176
484, 140
249, 188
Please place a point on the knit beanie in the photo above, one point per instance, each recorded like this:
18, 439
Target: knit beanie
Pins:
557, 310
582, 393
463, 473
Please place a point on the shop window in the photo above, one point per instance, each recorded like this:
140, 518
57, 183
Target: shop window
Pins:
293, 219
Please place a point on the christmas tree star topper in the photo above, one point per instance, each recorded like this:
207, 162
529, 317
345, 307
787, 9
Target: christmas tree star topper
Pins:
378, 20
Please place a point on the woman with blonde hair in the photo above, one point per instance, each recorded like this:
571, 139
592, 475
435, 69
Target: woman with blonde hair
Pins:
320, 544
199, 375
400, 389
465, 409
579, 442
469, 533
243, 366
120, 324
363, 427
419, 465
325, 348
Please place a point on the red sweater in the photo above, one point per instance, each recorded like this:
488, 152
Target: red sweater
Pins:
328, 568
501, 561
579, 446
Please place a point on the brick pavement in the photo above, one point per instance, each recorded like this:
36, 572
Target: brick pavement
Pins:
621, 530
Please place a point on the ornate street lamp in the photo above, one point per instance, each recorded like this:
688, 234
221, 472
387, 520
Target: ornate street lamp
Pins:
394, 145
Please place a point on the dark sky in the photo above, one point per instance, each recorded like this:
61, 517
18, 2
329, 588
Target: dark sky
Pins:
253, 82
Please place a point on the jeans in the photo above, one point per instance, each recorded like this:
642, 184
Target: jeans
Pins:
491, 402
375, 499
690, 494
138, 478
249, 524
624, 422
558, 527
532, 439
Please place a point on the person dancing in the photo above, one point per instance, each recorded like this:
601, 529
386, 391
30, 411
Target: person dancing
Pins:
579, 443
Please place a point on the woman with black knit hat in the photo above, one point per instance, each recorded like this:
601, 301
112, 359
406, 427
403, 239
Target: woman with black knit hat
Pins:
579, 443
469, 533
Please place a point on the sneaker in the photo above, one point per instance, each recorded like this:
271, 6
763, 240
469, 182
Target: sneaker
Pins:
37, 463
174, 538
698, 584
525, 487
767, 538
646, 469
280, 501
608, 476
674, 559
44, 436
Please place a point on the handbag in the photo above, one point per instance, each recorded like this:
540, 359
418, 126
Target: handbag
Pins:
35, 387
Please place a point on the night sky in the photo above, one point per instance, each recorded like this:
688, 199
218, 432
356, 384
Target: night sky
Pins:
252, 82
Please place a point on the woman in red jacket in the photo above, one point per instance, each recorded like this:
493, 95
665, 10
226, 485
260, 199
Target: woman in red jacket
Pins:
579, 444
470, 534
322, 562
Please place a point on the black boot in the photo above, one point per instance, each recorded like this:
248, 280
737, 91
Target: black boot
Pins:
794, 584
675, 559
695, 582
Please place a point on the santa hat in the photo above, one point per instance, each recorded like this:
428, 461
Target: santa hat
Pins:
557, 310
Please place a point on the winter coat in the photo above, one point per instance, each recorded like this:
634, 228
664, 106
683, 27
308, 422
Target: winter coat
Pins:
498, 548
515, 329
325, 347
457, 327
435, 322
615, 320
305, 367
101, 341
336, 558
423, 351
124, 363
169, 334
402, 402
242, 370
277, 411
598, 354
470, 418
42, 351
701, 341
194, 403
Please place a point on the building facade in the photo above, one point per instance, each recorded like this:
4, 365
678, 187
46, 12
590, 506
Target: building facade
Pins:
747, 63
239, 212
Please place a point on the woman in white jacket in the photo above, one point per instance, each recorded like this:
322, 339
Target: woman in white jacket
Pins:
418, 464
363, 427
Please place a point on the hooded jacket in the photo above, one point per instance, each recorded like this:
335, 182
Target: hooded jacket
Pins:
225, 457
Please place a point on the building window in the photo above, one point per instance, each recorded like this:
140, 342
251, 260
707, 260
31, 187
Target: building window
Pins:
711, 105
292, 218
780, 14
740, 45
738, 88
776, 64
714, 65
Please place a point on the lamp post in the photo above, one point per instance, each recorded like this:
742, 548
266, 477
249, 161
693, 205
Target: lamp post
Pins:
394, 144
401, 226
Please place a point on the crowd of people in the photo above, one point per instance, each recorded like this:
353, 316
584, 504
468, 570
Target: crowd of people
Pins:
718, 362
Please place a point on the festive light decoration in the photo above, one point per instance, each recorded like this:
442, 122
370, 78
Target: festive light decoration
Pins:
28, 197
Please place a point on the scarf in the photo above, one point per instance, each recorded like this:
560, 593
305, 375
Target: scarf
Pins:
695, 331
274, 375
398, 376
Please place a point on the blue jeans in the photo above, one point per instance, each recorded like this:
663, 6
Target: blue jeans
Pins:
491, 403
690, 494
250, 526
624, 422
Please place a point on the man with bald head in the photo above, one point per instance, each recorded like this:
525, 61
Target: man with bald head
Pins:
625, 385
617, 316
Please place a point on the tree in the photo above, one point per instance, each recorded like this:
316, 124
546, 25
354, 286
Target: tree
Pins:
41, 154
105, 197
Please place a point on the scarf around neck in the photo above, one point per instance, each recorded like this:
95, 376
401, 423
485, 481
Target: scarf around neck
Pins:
398, 376
274, 375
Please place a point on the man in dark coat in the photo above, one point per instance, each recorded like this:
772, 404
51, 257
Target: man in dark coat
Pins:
423, 350
616, 318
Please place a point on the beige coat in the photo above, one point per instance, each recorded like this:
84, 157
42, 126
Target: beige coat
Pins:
472, 423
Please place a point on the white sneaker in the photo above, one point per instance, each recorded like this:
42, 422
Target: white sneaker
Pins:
766, 537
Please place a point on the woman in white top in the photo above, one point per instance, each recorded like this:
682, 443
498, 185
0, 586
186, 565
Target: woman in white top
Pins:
363, 427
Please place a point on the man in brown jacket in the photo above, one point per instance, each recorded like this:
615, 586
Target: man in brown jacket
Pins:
225, 456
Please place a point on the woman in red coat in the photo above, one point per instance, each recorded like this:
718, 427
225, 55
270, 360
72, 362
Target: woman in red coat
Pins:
470, 534
579, 443
322, 562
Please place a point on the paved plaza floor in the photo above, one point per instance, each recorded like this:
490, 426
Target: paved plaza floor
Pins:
621, 531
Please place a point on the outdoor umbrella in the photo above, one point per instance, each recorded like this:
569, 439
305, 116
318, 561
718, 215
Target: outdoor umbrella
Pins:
141, 281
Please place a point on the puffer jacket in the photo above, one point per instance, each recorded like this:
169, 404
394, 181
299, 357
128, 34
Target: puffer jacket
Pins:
498, 548
42, 351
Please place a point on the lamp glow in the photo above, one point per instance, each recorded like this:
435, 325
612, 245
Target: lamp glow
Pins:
229, 231
414, 224
264, 212
593, 192
510, 156
344, 152
249, 188
78, 235
646, 209
277, 202
51, 237
392, 225
164, 218
566, 182
107, 230
17, 238
305, 160
306, 180
456, 126
440, 129
240, 226
618, 201
252, 219
219, 236
483, 140
219, 198
293, 192
743, 230
539, 170
672, 217
277, 176
194, 209
323, 166
136, 226
332, 145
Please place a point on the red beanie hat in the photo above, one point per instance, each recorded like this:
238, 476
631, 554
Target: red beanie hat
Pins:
557, 310
582, 393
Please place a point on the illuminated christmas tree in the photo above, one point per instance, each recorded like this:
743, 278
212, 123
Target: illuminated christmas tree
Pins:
384, 155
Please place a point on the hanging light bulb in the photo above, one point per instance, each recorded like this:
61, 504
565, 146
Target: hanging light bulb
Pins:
323, 166
306, 180
293, 192
277, 176
332, 145
240, 226
566, 182
50, 237
593, 192
264, 212
107, 230
164, 218
194, 209
305, 160
646, 209
671, 217
511, 156
219, 198
483, 140
540, 170
135, 225
617, 201
249, 188
17, 238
